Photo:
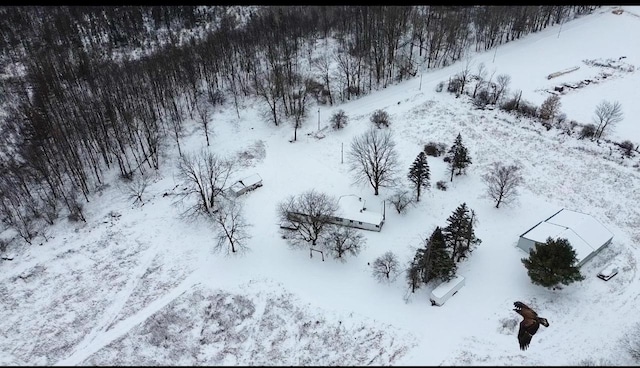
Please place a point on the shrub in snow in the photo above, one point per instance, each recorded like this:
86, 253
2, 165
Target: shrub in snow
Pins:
454, 84
588, 131
627, 147
508, 325
339, 120
435, 149
510, 105
527, 109
631, 342
380, 118
401, 199
591, 362
482, 99
442, 185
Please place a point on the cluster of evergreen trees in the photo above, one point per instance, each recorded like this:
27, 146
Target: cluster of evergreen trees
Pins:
438, 257
92, 89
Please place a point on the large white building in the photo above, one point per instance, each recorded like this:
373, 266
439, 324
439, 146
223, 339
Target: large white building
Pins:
586, 235
354, 212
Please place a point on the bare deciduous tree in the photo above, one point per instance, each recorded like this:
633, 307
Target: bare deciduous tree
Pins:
607, 113
232, 227
310, 212
501, 88
299, 108
205, 176
550, 108
401, 199
373, 159
385, 267
481, 74
465, 74
502, 182
136, 188
343, 240
339, 120
203, 108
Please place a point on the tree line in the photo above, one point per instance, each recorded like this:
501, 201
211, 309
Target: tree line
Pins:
87, 90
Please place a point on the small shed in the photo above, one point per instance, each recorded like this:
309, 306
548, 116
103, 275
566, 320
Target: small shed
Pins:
586, 235
245, 185
353, 212
446, 290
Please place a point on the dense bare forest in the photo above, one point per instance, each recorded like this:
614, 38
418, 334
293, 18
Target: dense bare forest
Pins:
88, 90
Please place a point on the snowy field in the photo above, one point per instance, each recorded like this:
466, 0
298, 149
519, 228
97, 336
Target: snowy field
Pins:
137, 285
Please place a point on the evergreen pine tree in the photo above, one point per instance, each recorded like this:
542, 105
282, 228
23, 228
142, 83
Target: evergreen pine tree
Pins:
459, 234
419, 174
552, 263
434, 260
458, 157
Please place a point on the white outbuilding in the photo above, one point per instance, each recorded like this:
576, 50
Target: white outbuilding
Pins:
586, 235
245, 185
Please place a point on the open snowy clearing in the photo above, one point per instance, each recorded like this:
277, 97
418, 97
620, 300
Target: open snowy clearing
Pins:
139, 285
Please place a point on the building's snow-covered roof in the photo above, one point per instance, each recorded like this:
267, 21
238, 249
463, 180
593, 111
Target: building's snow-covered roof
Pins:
441, 290
351, 208
582, 248
542, 231
589, 229
246, 182
584, 233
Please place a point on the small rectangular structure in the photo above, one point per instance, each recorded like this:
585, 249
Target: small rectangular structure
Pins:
586, 235
446, 290
247, 184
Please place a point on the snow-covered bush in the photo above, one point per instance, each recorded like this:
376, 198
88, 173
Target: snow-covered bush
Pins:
380, 118
435, 149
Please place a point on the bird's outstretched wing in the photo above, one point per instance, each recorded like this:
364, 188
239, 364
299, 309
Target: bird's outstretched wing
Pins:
528, 328
524, 310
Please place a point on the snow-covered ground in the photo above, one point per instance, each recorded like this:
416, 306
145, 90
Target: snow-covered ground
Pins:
139, 285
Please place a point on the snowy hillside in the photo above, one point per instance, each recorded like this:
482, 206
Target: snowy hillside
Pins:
139, 285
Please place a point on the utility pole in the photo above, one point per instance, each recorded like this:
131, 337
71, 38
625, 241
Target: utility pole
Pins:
318, 119
420, 88
342, 153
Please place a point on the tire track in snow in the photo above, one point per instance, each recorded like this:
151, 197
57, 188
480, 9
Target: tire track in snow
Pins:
123, 327
119, 300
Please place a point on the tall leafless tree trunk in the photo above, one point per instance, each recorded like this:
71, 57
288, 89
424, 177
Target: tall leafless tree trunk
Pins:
502, 182
232, 227
607, 113
373, 159
205, 177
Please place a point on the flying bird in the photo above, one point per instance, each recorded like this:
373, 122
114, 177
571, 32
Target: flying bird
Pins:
529, 325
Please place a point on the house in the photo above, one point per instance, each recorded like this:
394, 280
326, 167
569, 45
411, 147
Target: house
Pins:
247, 184
586, 235
353, 212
